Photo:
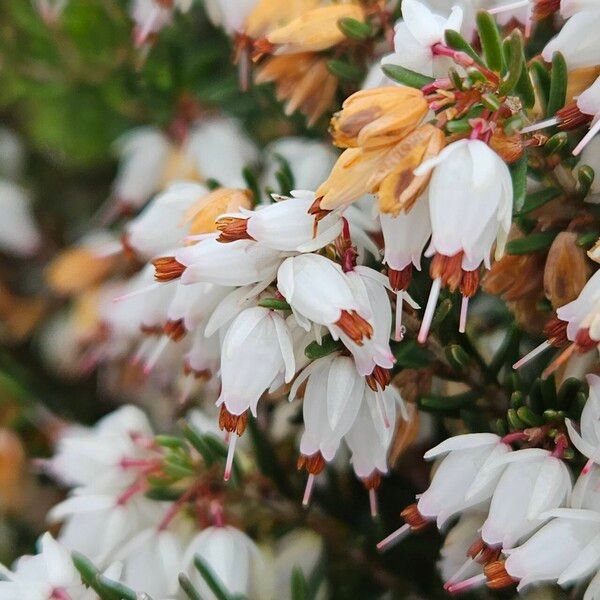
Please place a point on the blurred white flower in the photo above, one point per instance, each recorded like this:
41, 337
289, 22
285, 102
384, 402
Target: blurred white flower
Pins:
233, 557
19, 234
417, 35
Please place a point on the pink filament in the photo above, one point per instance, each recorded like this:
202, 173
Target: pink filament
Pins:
373, 502
429, 310
531, 355
310, 482
230, 454
464, 307
394, 538
467, 584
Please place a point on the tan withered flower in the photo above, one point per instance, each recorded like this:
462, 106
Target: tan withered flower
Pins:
203, 214
315, 29
378, 116
77, 269
12, 470
19, 315
349, 178
394, 180
594, 252
179, 166
509, 147
302, 81
579, 80
567, 269
268, 15
405, 435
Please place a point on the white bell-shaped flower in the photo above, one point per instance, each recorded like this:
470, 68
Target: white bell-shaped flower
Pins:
532, 483
237, 263
588, 440
369, 439
221, 149
318, 290
457, 543
256, 348
583, 313
143, 154
285, 225
566, 550
577, 40
151, 16
95, 457
588, 103
159, 226
417, 35
468, 221
333, 395
152, 560
309, 160
49, 575
231, 555
477, 211
19, 234
405, 236
586, 491
229, 14
97, 524
465, 478
369, 288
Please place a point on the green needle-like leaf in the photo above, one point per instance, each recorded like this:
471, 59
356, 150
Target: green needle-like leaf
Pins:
558, 84
212, 580
491, 42
406, 76
513, 51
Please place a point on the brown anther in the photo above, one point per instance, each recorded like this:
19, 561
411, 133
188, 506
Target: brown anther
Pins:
571, 117
556, 332
231, 423
400, 280
314, 463
380, 376
151, 329
260, 48
165, 3
413, 517
497, 577
175, 329
482, 553
166, 268
584, 342
469, 283
373, 481
544, 8
232, 229
204, 374
316, 210
354, 326
448, 268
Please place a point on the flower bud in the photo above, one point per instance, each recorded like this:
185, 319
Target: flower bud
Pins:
567, 269
316, 29
202, 215
378, 116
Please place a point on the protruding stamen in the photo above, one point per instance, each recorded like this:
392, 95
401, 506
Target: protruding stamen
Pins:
310, 482
143, 290
531, 355
230, 454
541, 125
429, 310
394, 538
557, 362
373, 502
464, 307
398, 331
467, 584
158, 350
461, 571
587, 138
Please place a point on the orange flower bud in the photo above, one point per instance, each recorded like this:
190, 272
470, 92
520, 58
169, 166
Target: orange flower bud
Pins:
316, 29
378, 116
349, 178
203, 214
271, 14
394, 180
